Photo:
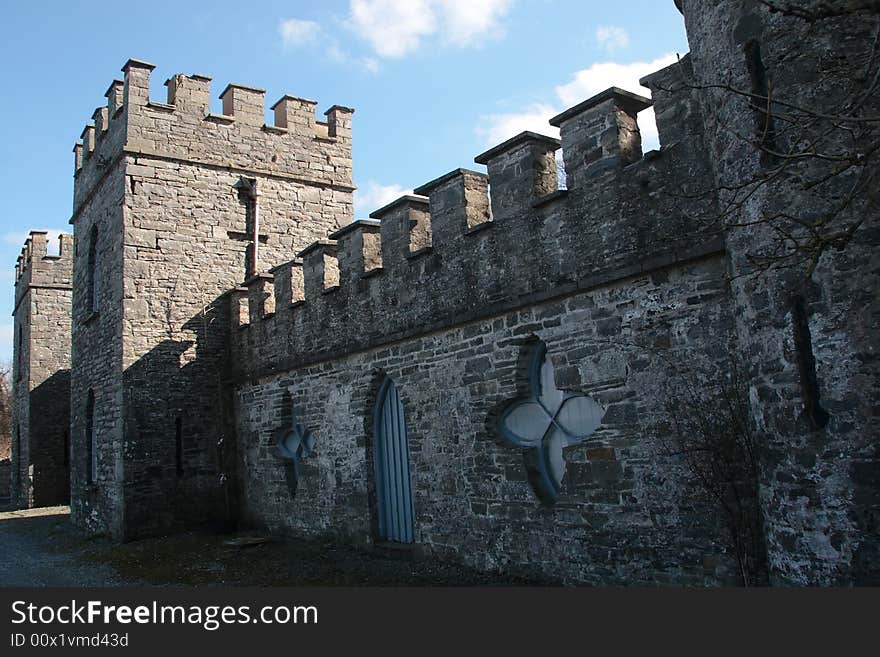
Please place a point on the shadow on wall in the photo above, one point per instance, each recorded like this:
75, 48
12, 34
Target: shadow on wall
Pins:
178, 460
50, 440
5, 479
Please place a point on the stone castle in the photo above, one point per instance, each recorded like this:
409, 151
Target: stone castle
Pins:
486, 377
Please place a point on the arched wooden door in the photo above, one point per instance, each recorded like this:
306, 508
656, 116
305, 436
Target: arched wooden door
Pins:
391, 457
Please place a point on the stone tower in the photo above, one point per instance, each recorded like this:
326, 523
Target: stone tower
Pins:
802, 327
173, 206
41, 374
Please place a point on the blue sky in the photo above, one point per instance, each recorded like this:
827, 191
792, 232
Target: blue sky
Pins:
433, 82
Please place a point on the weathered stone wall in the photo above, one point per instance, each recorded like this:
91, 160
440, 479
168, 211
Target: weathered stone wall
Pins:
627, 513
96, 356
623, 275
607, 274
41, 378
807, 337
20, 456
185, 237
5, 478
50, 392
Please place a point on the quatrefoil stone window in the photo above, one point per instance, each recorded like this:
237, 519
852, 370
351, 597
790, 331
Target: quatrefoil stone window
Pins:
296, 445
546, 422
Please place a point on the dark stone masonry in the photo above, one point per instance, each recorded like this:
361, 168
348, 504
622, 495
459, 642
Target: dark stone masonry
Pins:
237, 351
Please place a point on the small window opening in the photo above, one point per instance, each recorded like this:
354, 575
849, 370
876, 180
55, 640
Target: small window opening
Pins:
91, 439
178, 446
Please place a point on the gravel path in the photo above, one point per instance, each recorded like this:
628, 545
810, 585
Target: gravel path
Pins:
40, 547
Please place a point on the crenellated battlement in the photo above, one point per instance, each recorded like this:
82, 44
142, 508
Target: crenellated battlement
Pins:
296, 146
35, 267
469, 244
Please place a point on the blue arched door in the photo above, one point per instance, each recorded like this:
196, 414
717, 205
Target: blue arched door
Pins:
391, 457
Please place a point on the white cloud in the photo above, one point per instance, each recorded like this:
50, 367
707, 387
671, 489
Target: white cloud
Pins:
369, 64
309, 35
373, 196
495, 128
296, 33
469, 22
590, 81
612, 37
394, 28
18, 238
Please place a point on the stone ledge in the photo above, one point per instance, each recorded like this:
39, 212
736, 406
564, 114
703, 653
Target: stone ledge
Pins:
549, 198
316, 245
428, 187
164, 107
522, 138
627, 99
219, 118
406, 198
234, 85
354, 225
425, 250
479, 228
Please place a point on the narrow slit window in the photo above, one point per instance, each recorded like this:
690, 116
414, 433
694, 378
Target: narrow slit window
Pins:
765, 130
178, 447
91, 439
806, 361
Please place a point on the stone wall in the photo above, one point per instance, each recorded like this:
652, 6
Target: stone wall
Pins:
41, 374
96, 356
800, 336
805, 329
628, 513
5, 478
237, 298
607, 274
173, 176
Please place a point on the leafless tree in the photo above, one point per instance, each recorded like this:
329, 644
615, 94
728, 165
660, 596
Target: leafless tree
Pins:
5, 410
706, 423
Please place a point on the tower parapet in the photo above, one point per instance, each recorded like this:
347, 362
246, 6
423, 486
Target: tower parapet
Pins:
36, 268
296, 147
